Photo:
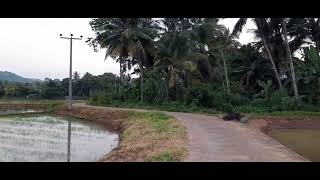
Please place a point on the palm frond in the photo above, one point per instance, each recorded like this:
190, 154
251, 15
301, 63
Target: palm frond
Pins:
239, 26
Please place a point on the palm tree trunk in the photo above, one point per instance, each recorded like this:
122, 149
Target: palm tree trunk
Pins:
141, 68
293, 75
120, 62
141, 81
272, 62
318, 46
115, 85
225, 71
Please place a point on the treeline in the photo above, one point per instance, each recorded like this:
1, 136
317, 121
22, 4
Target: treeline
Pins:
56, 88
197, 62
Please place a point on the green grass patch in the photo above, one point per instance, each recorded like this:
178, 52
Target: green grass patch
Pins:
166, 157
151, 136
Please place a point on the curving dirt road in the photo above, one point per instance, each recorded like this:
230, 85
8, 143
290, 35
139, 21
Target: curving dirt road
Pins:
214, 140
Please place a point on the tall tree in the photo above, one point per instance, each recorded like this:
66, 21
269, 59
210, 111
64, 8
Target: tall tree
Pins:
262, 31
221, 43
76, 76
126, 37
304, 30
293, 74
182, 50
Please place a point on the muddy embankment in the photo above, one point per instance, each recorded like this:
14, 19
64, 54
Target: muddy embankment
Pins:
269, 123
113, 120
24, 106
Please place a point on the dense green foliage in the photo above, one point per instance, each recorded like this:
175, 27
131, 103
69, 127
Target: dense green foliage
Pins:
196, 62
57, 89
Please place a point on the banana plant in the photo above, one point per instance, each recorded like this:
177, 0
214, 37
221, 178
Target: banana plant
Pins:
267, 88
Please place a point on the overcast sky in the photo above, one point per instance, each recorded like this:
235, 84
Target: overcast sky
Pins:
32, 47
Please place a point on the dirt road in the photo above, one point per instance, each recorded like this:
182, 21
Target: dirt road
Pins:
214, 140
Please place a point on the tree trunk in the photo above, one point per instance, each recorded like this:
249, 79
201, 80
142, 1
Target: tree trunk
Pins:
141, 67
115, 85
272, 62
120, 62
318, 46
293, 75
225, 71
141, 81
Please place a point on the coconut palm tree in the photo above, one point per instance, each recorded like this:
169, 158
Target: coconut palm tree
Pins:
293, 75
305, 30
126, 40
248, 66
262, 31
218, 45
181, 51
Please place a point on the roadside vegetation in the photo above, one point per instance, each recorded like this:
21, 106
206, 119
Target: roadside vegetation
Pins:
196, 64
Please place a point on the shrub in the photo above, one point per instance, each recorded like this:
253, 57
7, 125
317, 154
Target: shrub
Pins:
259, 102
250, 108
100, 98
237, 99
276, 97
290, 103
198, 95
218, 98
226, 107
309, 107
281, 101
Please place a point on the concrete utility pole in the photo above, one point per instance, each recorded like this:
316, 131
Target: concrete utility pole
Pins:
70, 89
70, 72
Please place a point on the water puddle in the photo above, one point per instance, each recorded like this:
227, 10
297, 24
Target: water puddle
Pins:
45, 138
303, 141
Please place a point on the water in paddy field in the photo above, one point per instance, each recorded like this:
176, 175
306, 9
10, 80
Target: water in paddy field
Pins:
306, 142
45, 138
5, 111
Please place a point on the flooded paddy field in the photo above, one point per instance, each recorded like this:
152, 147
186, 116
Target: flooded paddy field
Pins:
303, 141
17, 111
44, 137
301, 135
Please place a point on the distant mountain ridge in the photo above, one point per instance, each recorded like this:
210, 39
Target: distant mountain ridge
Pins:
12, 77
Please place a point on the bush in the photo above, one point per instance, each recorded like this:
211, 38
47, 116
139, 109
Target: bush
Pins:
276, 97
100, 98
259, 102
226, 107
221, 101
198, 96
237, 99
250, 108
51, 92
309, 107
281, 101
290, 103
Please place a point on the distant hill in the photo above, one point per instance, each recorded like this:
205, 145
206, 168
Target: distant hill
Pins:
12, 77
